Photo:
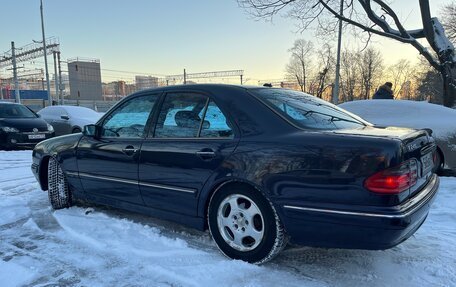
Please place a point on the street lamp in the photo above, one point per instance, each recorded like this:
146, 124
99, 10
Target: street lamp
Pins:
45, 56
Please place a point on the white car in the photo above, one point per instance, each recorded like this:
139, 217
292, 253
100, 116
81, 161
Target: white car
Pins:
69, 119
413, 114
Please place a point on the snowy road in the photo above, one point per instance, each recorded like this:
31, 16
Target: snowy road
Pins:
103, 247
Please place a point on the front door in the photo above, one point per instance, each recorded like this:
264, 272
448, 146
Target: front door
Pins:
108, 165
192, 137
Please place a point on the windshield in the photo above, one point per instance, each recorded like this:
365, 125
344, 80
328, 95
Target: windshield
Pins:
307, 111
15, 111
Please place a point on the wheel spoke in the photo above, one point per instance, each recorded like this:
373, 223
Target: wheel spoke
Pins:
233, 203
251, 212
257, 235
225, 221
238, 239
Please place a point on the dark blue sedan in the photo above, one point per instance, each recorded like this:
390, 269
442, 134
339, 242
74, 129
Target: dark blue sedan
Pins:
257, 166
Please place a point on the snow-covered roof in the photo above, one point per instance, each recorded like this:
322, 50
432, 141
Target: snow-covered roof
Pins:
403, 113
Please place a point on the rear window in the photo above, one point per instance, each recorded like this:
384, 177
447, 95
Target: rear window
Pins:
306, 111
15, 111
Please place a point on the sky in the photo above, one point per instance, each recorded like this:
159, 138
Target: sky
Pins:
158, 37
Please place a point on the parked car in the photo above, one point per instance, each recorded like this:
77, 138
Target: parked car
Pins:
69, 119
20, 127
255, 165
413, 114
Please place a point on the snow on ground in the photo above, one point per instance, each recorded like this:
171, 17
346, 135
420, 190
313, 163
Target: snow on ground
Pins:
95, 246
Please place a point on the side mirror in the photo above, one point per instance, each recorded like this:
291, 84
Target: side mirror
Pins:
64, 117
91, 131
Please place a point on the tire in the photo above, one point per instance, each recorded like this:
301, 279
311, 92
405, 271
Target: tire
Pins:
76, 130
58, 189
438, 164
245, 225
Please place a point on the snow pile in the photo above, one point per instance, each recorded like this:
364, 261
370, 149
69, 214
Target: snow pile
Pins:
402, 113
103, 247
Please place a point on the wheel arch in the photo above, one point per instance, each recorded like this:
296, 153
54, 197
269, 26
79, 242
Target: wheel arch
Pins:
75, 127
442, 156
43, 172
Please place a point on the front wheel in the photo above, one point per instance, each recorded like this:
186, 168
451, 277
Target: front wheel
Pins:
245, 225
58, 189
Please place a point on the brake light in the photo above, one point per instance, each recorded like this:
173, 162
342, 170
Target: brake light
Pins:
393, 180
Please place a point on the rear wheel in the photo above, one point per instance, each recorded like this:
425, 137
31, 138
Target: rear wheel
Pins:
438, 162
58, 189
245, 225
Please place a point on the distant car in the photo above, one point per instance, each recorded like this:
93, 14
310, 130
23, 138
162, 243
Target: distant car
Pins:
69, 119
255, 165
21, 127
413, 114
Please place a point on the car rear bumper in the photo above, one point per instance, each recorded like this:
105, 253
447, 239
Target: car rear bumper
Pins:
360, 229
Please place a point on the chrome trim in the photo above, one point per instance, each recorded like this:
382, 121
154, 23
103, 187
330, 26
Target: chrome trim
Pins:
167, 187
342, 212
410, 210
70, 173
135, 182
115, 179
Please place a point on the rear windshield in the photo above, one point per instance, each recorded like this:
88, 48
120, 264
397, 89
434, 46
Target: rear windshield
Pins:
306, 111
15, 111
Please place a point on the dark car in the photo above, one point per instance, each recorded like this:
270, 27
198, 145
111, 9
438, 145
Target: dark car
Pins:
257, 166
21, 127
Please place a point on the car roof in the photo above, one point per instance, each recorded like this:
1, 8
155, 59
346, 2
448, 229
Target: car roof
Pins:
202, 87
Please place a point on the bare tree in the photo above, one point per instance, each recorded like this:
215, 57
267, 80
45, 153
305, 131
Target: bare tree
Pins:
373, 17
370, 65
326, 64
401, 76
449, 20
349, 76
299, 66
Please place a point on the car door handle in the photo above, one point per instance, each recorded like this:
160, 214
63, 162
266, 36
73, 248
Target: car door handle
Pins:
206, 154
129, 150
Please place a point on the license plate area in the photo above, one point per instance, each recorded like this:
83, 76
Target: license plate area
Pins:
427, 162
36, 136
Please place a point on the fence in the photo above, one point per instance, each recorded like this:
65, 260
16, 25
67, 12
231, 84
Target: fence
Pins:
37, 104
99, 106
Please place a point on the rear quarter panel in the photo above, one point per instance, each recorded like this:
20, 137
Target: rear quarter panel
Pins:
313, 169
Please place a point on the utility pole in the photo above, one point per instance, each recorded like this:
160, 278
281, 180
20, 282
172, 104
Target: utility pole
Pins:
54, 53
16, 82
339, 45
60, 79
45, 56
241, 79
185, 77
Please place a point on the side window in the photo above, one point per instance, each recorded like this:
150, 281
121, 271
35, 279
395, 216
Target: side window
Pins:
180, 116
215, 123
129, 120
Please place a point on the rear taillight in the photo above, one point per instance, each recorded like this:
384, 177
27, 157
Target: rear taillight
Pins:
393, 180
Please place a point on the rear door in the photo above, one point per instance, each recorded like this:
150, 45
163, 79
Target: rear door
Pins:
108, 166
192, 137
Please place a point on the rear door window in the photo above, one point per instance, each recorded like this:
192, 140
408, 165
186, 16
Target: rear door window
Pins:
191, 115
